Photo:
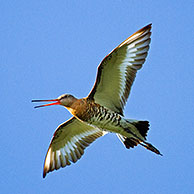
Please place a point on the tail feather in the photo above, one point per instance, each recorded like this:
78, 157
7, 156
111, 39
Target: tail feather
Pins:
130, 142
142, 127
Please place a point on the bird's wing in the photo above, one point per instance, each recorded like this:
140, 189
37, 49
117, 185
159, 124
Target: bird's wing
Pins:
68, 144
117, 71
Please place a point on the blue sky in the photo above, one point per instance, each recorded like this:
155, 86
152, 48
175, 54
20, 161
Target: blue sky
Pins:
48, 48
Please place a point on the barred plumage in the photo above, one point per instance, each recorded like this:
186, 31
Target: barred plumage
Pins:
103, 116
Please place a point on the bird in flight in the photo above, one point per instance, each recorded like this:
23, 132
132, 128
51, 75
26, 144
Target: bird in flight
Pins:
101, 111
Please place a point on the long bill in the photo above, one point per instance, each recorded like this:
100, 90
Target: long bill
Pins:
55, 102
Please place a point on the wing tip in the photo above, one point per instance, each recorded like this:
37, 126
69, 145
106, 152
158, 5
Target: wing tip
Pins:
149, 26
44, 174
46, 170
144, 29
142, 32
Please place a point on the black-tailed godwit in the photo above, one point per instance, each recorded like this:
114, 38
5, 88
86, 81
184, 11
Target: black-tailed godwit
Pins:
102, 110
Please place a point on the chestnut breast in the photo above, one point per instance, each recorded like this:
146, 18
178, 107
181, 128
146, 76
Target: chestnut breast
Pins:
83, 109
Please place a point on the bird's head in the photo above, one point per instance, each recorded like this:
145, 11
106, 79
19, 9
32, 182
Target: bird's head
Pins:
64, 100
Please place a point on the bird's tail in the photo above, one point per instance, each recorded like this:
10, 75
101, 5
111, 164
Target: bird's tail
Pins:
142, 127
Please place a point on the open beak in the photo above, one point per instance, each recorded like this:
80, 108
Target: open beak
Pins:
55, 102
